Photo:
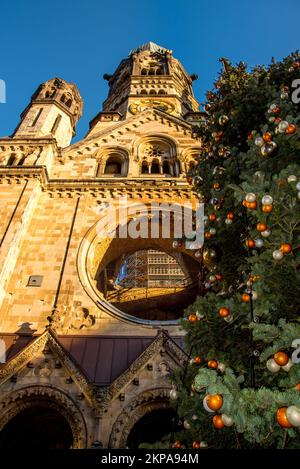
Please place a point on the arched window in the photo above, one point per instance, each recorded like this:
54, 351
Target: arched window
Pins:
152, 92
63, 98
143, 92
145, 167
161, 92
144, 71
11, 160
155, 167
113, 166
166, 167
69, 102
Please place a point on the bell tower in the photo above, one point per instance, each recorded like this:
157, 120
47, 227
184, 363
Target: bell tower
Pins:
54, 110
150, 77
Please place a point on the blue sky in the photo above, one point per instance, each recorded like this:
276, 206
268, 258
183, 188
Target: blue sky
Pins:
79, 40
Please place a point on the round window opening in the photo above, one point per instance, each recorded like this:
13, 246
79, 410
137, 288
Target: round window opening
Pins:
140, 279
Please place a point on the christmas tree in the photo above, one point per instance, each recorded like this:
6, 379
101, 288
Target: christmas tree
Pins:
241, 388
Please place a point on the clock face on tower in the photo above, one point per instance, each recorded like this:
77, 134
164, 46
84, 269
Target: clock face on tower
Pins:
143, 104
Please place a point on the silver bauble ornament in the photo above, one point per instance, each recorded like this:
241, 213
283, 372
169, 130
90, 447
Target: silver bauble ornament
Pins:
203, 444
272, 366
267, 200
227, 420
198, 254
266, 233
259, 243
298, 186
186, 424
221, 366
228, 221
282, 126
293, 415
298, 195
175, 245
212, 253
284, 95
277, 255
292, 178
288, 366
212, 278
194, 417
254, 295
212, 231
173, 394
259, 141
250, 197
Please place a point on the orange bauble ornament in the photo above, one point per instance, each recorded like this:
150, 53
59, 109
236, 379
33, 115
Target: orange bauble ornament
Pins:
250, 243
230, 216
291, 129
297, 387
218, 276
261, 227
176, 445
252, 205
196, 445
212, 364
192, 318
197, 360
286, 248
244, 203
214, 401
282, 418
281, 358
224, 312
246, 297
216, 186
267, 136
208, 235
296, 65
212, 217
218, 422
267, 208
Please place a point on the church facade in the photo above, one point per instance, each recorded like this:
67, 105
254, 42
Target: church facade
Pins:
84, 361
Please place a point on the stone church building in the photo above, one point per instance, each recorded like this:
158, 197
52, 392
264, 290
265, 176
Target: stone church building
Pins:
86, 358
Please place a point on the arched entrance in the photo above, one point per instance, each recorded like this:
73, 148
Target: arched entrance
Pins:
37, 427
41, 417
155, 426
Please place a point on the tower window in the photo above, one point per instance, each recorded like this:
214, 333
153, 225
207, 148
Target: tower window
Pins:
166, 167
56, 124
144, 71
152, 92
143, 92
161, 92
39, 112
113, 166
155, 167
145, 168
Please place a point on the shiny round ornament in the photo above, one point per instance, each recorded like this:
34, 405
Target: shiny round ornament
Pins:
251, 205
282, 126
298, 186
267, 137
293, 178
230, 215
277, 255
212, 364
212, 278
291, 129
198, 254
196, 445
186, 424
227, 420
177, 445
268, 148
246, 297
194, 417
261, 227
203, 444
198, 360
254, 295
266, 233
259, 243
267, 208
173, 394
267, 200
284, 95
282, 419
224, 312
288, 366
218, 422
221, 367
259, 141
250, 197
293, 415
228, 221
286, 248
281, 358
212, 231
223, 119
205, 405
272, 365
212, 217
250, 243
192, 318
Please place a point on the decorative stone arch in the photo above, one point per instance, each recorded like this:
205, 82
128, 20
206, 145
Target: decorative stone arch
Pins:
189, 157
155, 146
147, 401
116, 152
53, 398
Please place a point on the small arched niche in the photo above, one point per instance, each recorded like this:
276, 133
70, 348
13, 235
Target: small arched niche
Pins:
113, 163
